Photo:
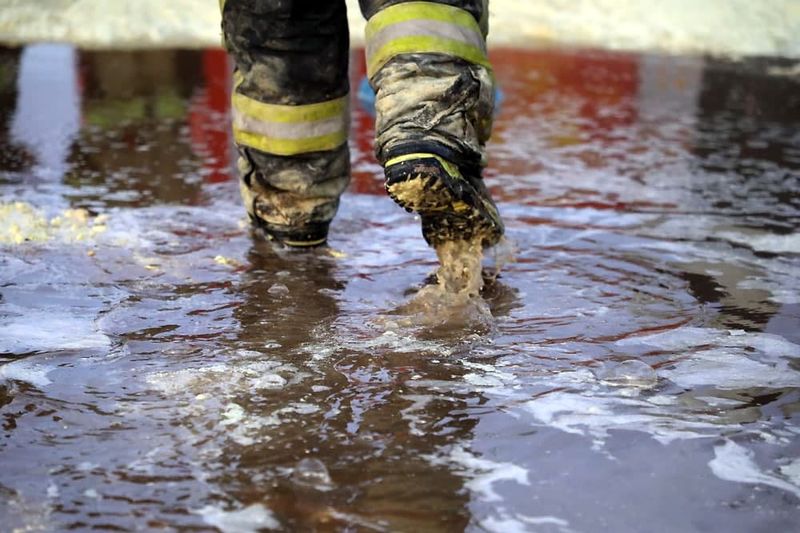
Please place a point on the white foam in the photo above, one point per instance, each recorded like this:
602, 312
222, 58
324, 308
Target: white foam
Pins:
792, 472
233, 414
766, 242
594, 413
732, 462
729, 369
410, 414
269, 381
300, 408
395, 341
247, 374
482, 473
26, 371
249, 519
49, 330
540, 520
522, 524
731, 363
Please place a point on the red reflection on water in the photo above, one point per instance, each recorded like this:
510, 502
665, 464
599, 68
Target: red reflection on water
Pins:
365, 180
603, 87
596, 90
596, 81
209, 110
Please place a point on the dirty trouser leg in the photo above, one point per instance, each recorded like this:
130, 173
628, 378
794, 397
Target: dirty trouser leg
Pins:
290, 112
434, 100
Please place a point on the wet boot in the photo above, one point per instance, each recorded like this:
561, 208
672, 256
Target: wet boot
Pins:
434, 101
290, 113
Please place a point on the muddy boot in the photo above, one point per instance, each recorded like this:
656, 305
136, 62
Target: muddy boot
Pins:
290, 113
434, 101
452, 206
292, 200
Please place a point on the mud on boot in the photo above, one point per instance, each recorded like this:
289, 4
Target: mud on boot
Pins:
452, 206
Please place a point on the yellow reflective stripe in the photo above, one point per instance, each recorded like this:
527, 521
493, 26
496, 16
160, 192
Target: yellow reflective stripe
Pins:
449, 167
289, 129
423, 27
301, 244
420, 11
422, 45
272, 145
286, 113
290, 113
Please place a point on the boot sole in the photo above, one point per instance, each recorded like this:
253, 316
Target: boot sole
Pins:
450, 209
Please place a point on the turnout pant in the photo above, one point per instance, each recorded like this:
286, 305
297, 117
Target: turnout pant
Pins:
426, 61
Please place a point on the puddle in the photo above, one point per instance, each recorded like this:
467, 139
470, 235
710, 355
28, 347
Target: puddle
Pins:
160, 369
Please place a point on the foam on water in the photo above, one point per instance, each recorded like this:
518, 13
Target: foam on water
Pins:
525, 524
792, 472
227, 376
481, 473
22, 223
733, 462
61, 333
246, 520
26, 371
630, 395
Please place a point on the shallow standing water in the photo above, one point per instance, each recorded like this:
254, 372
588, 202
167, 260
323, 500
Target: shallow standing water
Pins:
162, 370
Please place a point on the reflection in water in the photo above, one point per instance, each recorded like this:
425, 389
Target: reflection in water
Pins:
169, 371
46, 118
138, 104
14, 156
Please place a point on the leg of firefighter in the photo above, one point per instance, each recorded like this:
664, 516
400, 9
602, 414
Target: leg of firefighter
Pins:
290, 112
434, 100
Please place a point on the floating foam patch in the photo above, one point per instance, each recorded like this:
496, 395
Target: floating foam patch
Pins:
725, 359
525, 524
48, 331
246, 520
252, 375
724, 368
26, 371
21, 223
481, 473
594, 414
580, 403
732, 462
766, 242
214, 388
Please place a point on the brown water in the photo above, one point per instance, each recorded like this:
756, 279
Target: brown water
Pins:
635, 368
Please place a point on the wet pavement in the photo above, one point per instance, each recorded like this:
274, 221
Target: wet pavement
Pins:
163, 370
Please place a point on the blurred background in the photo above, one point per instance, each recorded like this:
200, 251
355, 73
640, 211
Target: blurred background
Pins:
730, 27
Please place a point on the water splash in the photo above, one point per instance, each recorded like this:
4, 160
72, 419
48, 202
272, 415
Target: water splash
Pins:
453, 298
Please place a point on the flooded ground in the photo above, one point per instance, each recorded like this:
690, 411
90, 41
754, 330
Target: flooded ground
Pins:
640, 371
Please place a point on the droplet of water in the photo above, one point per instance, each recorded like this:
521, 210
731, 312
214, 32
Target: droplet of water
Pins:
313, 473
269, 381
630, 373
278, 289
